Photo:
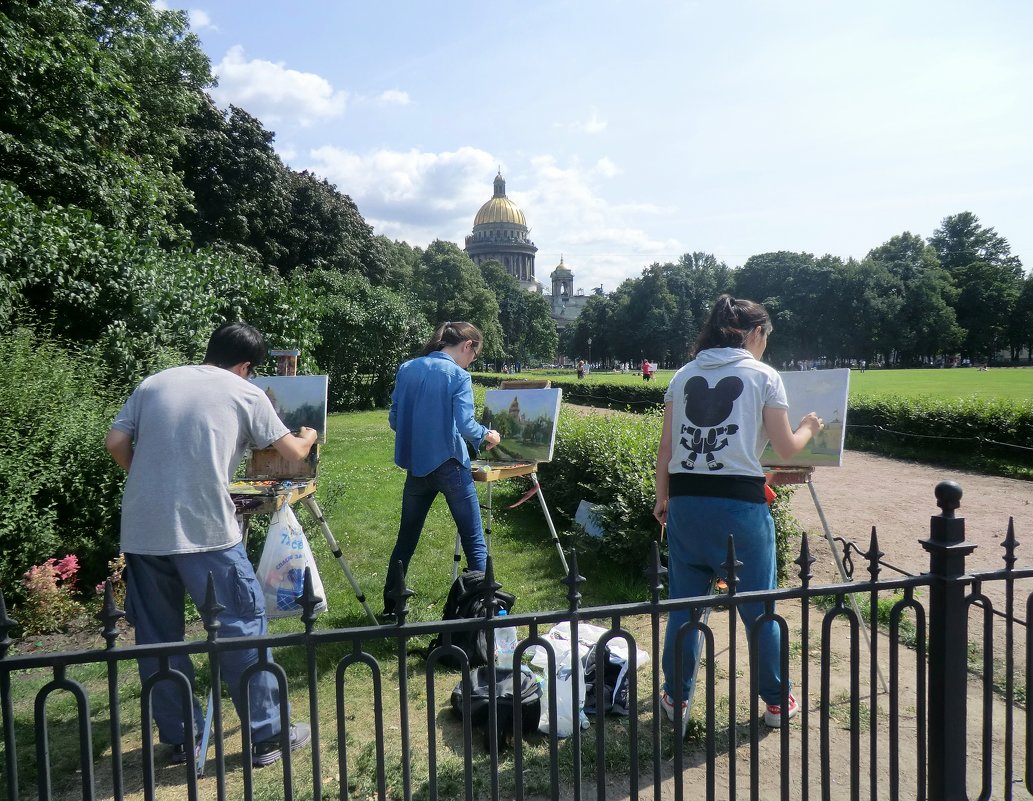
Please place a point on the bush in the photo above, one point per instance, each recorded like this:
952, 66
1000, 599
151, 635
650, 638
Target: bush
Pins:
610, 460
60, 487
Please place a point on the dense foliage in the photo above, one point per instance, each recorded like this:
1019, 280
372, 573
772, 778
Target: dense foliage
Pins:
131, 300
94, 105
60, 487
366, 332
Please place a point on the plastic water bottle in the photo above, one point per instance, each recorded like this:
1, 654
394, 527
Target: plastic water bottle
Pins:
505, 644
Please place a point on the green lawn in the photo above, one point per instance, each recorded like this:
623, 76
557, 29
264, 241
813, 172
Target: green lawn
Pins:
1002, 383
360, 491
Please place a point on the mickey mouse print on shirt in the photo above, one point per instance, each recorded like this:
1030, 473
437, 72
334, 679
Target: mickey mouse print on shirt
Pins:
707, 409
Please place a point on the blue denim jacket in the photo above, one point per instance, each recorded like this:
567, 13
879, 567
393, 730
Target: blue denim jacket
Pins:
432, 413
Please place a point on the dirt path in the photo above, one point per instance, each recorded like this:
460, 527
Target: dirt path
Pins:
897, 498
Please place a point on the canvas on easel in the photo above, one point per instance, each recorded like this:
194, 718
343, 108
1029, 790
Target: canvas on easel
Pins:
526, 421
824, 392
299, 400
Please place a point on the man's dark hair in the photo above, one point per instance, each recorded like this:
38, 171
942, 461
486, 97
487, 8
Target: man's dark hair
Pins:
233, 343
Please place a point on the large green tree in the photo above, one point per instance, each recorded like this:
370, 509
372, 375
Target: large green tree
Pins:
528, 332
94, 107
1021, 329
366, 332
925, 324
988, 278
797, 290
451, 287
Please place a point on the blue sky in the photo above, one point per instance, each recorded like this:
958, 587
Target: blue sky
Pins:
633, 132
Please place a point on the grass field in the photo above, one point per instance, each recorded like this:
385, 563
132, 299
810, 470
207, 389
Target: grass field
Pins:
1001, 383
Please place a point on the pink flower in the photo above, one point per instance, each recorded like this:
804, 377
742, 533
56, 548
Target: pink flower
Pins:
67, 567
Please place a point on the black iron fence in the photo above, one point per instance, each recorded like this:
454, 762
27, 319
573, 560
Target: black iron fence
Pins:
888, 716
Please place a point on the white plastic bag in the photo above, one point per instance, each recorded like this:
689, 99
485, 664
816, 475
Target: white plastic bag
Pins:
281, 570
564, 700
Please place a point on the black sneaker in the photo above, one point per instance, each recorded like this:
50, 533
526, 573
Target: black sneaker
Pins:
179, 753
269, 751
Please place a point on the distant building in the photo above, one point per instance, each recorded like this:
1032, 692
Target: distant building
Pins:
500, 233
566, 302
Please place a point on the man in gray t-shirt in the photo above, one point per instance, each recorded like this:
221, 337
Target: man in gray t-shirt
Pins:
180, 437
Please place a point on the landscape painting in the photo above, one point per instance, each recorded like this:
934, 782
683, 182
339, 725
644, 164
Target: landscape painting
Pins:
299, 400
824, 392
526, 420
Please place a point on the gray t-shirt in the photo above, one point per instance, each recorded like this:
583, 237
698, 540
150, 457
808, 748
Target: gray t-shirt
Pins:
190, 427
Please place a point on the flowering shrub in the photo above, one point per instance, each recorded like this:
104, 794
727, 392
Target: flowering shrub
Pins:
116, 570
50, 604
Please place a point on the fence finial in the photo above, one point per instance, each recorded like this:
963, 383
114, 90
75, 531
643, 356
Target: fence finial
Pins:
109, 615
211, 610
6, 624
948, 497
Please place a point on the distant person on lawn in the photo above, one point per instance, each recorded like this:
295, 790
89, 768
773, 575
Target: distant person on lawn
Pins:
433, 419
180, 437
720, 411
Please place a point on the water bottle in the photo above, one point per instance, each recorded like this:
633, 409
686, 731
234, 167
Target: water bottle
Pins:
505, 644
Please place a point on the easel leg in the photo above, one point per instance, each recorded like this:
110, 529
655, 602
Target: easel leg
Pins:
317, 513
548, 520
843, 575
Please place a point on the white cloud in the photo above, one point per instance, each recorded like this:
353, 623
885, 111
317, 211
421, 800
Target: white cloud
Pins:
395, 97
607, 168
593, 125
274, 93
412, 195
200, 20
419, 196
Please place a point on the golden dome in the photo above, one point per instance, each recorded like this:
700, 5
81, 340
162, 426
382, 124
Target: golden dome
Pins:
500, 209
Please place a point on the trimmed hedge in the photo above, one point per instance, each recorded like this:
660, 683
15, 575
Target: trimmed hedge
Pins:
974, 433
622, 397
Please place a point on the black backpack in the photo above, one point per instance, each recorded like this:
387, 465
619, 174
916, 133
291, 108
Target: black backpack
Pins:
466, 600
527, 690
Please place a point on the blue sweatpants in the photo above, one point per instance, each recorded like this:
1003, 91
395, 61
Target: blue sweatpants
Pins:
697, 544
155, 587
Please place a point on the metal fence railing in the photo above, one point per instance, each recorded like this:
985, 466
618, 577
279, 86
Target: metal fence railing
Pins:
389, 720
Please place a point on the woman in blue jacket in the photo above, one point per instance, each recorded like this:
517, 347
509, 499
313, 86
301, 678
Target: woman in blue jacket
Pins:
432, 416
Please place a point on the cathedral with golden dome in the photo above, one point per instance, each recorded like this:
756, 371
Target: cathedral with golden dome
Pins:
500, 233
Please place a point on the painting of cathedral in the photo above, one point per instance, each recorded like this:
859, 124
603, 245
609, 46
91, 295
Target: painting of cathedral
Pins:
299, 400
824, 392
525, 419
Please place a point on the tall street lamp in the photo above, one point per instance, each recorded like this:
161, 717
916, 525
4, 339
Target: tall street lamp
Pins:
590, 350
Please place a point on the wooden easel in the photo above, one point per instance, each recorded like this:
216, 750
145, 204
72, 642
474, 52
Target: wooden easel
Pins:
295, 481
489, 474
781, 476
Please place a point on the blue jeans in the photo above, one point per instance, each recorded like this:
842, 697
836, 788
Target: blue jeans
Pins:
154, 605
697, 544
455, 482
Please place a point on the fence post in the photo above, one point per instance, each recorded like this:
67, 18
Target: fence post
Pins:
948, 647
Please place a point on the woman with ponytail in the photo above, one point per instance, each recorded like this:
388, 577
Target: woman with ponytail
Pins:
432, 416
721, 409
